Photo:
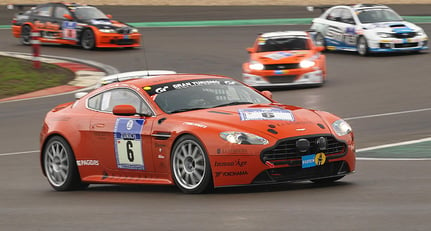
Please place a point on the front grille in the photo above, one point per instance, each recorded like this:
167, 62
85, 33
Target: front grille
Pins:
337, 168
405, 35
124, 30
123, 41
283, 66
286, 152
405, 45
281, 78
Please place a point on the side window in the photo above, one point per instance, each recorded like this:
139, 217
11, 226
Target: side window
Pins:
60, 11
347, 17
44, 11
334, 15
106, 101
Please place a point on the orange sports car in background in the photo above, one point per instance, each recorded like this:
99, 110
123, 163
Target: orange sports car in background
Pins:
284, 58
195, 131
73, 24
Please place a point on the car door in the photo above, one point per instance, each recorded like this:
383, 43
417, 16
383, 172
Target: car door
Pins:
121, 142
336, 27
68, 28
41, 20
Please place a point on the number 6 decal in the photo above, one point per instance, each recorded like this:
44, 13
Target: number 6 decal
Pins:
128, 143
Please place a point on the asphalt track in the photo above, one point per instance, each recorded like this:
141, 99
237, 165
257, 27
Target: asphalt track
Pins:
385, 98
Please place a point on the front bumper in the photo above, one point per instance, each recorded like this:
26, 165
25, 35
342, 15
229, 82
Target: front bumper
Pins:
118, 40
290, 79
417, 43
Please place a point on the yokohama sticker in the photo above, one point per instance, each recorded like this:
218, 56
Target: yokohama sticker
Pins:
238, 173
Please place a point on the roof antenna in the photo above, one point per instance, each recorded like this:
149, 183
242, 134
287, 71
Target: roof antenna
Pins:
145, 56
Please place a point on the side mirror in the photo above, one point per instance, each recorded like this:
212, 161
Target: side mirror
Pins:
124, 110
267, 94
68, 16
109, 16
250, 50
79, 95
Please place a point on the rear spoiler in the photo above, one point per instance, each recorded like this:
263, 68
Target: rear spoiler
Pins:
19, 7
321, 8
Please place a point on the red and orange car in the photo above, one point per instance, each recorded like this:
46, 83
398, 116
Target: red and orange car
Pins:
195, 131
285, 58
73, 24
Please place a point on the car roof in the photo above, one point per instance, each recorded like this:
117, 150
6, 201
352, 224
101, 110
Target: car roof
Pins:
284, 33
160, 79
363, 6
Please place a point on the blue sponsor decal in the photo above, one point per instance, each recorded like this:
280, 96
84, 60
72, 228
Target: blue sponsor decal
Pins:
308, 161
128, 143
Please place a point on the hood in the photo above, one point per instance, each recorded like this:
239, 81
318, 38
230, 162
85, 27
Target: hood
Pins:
392, 27
278, 121
282, 56
106, 23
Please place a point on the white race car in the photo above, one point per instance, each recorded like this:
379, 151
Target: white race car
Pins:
367, 28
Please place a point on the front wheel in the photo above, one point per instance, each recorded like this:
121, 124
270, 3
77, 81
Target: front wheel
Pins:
362, 46
190, 166
25, 37
88, 40
60, 165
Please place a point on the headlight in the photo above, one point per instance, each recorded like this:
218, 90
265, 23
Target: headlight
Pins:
341, 127
254, 65
107, 30
306, 63
420, 33
384, 35
134, 30
242, 138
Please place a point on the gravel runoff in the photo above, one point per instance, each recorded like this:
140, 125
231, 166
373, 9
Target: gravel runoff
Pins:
224, 2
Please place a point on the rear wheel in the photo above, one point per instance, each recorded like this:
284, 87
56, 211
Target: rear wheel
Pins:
88, 41
190, 166
362, 46
60, 165
25, 37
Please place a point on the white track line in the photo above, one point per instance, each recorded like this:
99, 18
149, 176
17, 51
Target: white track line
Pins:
18, 153
387, 114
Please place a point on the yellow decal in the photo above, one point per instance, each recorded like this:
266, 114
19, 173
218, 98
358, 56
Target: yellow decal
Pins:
320, 159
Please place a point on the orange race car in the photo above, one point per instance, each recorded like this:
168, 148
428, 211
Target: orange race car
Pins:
73, 24
195, 131
285, 58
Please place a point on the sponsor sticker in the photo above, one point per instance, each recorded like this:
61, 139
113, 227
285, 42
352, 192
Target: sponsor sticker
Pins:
278, 55
313, 160
128, 143
266, 114
69, 30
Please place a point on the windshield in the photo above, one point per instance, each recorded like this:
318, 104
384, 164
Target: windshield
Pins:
88, 12
378, 15
282, 44
202, 94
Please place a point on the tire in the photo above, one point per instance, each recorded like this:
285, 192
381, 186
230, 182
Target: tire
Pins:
362, 46
25, 37
190, 166
88, 41
60, 165
327, 180
320, 41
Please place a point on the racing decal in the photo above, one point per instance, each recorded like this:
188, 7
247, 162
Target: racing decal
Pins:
100, 22
339, 37
278, 55
128, 143
261, 41
238, 163
313, 160
87, 162
281, 72
233, 173
266, 114
233, 150
69, 30
46, 25
160, 88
